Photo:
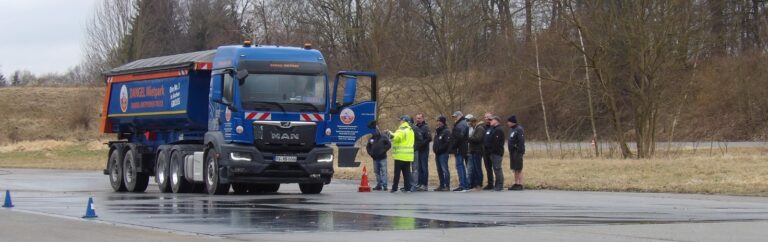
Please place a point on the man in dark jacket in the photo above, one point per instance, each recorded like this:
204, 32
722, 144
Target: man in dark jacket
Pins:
422, 153
377, 148
487, 156
475, 165
460, 148
494, 145
440, 147
516, 151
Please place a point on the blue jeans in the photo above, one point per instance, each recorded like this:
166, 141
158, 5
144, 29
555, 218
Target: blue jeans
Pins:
380, 169
475, 169
423, 163
443, 173
462, 172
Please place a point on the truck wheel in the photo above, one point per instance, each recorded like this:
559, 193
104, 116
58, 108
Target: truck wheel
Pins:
271, 188
311, 188
211, 175
240, 188
135, 180
116, 171
162, 171
179, 184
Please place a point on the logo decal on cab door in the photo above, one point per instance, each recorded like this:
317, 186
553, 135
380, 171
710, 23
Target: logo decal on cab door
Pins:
347, 116
123, 99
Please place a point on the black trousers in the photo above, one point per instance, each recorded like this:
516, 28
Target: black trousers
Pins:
403, 167
488, 167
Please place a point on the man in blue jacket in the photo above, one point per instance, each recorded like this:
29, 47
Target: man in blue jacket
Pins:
440, 147
460, 149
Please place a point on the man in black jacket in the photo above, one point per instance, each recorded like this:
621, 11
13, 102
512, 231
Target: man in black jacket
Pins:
422, 153
460, 148
487, 156
377, 148
440, 147
494, 145
516, 151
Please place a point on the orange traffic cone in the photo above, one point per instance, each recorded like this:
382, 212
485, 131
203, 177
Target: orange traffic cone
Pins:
364, 182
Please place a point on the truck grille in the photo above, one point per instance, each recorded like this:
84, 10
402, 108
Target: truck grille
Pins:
281, 136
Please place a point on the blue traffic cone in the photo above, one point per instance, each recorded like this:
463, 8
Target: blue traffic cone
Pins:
8, 203
90, 212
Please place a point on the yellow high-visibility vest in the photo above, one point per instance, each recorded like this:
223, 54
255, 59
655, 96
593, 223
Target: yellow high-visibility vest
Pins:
402, 143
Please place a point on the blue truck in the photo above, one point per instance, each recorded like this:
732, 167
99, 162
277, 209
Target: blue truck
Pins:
244, 116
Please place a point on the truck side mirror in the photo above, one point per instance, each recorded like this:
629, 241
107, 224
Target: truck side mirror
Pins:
350, 89
241, 75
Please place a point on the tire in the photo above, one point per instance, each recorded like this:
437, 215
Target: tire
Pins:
311, 188
211, 177
255, 189
162, 172
115, 168
134, 179
240, 188
179, 184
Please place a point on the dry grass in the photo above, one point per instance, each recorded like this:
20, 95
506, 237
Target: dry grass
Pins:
49, 113
50, 154
739, 172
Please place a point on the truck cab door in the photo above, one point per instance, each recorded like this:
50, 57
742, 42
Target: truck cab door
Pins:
351, 110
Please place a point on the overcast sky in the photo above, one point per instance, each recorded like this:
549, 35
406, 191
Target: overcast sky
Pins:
42, 35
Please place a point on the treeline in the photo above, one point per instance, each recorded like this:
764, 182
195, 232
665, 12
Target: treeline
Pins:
630, 72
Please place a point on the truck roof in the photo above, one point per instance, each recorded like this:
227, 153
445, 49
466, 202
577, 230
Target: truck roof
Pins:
179, 61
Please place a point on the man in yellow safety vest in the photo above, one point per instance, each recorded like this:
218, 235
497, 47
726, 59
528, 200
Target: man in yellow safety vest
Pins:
402, 150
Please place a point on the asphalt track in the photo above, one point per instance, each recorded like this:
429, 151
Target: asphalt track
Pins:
54, 200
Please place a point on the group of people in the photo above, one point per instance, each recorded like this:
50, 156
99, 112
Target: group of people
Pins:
473, 142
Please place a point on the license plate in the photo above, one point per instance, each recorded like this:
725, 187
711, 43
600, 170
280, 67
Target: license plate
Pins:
285, 158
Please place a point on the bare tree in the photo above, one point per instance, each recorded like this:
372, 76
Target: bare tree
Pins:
109, 24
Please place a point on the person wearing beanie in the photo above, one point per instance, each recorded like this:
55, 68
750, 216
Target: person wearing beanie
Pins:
421, 129
494, 145
402, 152
377, 148
440, 147
516, 146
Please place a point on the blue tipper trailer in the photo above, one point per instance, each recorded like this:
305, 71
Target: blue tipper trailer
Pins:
245, 116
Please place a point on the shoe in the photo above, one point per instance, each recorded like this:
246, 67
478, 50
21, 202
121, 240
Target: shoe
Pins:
516, 187
403, 190
377, 188
421, 189
498, 190
458, 189
488, 187
394, 190
385, 189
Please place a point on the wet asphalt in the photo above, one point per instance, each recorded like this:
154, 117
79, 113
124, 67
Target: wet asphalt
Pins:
340, 208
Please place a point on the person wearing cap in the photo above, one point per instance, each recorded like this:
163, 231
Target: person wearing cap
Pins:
422, 153
516, 147
377, 148
460, 147
494, 145
475, 164
487, 156
440, 147
402, 152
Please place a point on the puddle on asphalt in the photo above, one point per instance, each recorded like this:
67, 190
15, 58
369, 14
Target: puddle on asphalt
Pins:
256, 218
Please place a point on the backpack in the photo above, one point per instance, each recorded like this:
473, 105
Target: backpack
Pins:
418, 140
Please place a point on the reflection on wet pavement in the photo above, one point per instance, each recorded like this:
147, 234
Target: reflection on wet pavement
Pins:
259, 218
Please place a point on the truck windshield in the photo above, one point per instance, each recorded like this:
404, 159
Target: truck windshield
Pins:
283, 92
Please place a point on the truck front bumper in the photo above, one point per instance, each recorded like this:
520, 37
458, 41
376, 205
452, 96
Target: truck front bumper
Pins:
262, 167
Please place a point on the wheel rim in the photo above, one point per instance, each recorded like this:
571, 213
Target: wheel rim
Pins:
129, 171
115, 172
174, 174
211, 172
161, 173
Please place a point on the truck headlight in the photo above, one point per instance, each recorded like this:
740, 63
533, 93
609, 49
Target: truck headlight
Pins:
239, 156
325, 158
